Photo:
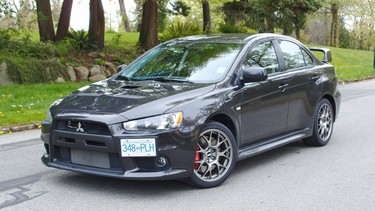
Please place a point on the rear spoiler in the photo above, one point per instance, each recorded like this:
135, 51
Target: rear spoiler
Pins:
326, 52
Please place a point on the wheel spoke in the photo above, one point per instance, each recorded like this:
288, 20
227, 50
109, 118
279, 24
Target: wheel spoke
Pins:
216, 154
325, 122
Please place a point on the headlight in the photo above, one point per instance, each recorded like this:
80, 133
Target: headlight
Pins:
49, 115
162, 122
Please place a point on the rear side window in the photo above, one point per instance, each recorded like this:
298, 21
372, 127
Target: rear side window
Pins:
292, 55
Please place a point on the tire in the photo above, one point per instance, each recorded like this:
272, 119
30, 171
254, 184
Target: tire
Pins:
215, 156
323, 125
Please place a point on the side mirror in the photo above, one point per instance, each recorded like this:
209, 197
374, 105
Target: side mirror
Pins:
254, 74
121, 67
327, 56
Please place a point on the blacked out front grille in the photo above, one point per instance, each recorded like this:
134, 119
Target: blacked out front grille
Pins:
83, 127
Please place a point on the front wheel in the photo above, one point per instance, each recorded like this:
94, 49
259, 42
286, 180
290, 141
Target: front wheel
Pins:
215, 156
323, 125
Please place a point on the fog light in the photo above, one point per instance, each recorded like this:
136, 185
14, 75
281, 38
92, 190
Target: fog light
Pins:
161, 161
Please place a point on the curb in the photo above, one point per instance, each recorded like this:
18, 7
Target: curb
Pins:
19, 128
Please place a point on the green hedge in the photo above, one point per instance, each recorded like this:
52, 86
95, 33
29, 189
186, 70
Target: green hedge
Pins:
29, 70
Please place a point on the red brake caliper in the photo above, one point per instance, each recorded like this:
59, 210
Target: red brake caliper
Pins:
197, 158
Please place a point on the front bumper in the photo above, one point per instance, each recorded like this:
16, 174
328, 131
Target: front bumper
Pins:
98, 152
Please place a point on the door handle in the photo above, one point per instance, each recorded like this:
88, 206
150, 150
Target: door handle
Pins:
315, 77
283, 87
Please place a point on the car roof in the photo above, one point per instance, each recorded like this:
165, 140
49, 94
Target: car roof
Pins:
240, 38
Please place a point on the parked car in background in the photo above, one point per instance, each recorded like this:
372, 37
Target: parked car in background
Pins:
192, 107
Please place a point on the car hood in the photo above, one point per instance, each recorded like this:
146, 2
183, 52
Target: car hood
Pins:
130, 99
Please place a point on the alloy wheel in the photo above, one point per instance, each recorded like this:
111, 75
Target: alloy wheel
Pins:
214, 155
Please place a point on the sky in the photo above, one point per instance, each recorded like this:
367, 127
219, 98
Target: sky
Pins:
80, 13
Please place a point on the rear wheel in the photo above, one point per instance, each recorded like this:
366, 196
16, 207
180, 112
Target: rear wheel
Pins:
215, 156
323, 125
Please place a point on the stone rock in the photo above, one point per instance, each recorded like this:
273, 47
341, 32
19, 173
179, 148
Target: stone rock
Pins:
111, 67
108, 73
82, 73
95, 70
96, 55
98, 77
71, 73
49, 76
93, 55
4, 78
60, 80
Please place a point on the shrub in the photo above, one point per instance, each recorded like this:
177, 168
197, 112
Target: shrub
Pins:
180, 29
31, 70
229, 28
80, 40
13, 43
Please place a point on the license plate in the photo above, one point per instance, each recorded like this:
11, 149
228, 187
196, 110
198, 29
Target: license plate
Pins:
138, 147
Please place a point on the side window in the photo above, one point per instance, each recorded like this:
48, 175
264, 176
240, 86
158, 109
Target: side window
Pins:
308, 60
292, 55
263, 55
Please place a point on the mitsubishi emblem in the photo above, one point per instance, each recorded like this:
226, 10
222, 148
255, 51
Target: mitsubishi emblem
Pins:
80, 128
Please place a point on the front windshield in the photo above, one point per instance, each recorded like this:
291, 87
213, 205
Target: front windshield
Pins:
184, 61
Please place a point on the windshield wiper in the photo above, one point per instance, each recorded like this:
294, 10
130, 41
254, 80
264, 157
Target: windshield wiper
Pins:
165, 79
122, 77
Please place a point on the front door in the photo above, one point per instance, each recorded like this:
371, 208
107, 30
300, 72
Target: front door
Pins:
264, 106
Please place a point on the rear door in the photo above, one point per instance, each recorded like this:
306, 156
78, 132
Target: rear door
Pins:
304, 88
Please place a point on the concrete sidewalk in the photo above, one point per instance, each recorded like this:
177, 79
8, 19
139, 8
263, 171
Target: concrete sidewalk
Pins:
26, 135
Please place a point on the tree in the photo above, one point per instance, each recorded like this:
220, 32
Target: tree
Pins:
334, 38
148, 35
45, 23
124, 16
64, 20
179, 8
206, 17
97, 23
295, 14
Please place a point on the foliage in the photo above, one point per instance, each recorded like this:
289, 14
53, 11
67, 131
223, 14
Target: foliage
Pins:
80, 39
266, 15
5, 9
229, 28
31, 70
180, 29
15, 43
179, 8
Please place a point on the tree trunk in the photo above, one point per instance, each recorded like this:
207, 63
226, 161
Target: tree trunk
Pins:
335, 25
97, 23
45, 23
206, 17
270, 25
148, 35
64, 20
124, 16
298, 32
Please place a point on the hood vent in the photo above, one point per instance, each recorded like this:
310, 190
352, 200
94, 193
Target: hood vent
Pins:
130, 87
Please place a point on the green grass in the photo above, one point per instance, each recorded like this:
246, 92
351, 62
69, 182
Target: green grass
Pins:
23, 104
123, 39
352, 65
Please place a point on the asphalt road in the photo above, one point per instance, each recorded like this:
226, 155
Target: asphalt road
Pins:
339, 176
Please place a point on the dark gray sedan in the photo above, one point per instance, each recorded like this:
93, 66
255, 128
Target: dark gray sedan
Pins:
192, 107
